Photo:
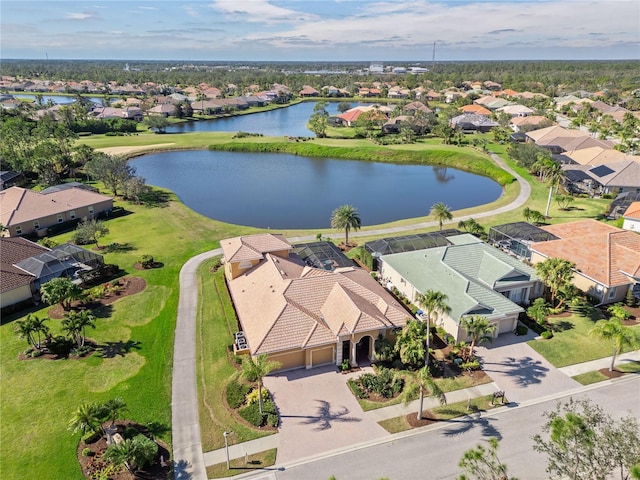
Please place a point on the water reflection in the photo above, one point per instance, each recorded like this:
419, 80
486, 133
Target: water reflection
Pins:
442, 174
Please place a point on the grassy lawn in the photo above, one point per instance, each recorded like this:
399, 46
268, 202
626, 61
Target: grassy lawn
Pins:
590, 377
216, 323
39, 396
444, 413
572, 344
256, 461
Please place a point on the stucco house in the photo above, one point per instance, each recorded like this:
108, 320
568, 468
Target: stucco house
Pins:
607, 258
477, 279
16, 285
26, 212
303, 316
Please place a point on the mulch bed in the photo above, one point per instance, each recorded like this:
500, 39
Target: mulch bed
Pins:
608, 374
56, 356
427, 419
129, 286
92, 462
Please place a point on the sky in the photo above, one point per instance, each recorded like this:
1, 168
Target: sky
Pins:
323, 30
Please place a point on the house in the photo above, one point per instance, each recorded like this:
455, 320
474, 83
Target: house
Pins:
25, 212
596, 156
308, 91
27, 265
607, 258
632, 218
558, 139
529, 122
17, 286
163, 110
477, 279
416, 107
477, 109
614, 177
516, 110
303, 316
472, 122
9, 179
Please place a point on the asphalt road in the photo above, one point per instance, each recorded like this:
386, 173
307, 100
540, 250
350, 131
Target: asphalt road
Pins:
434, 453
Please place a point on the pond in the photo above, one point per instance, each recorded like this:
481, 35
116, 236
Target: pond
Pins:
58, 99
289, 121
282, 191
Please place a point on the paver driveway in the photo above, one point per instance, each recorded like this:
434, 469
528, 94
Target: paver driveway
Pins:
520, 371
318, 413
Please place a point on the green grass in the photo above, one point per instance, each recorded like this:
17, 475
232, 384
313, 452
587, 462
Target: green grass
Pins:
573, 344
629, 367
590, 377
216, 323
237, 466
444, 413
39, 396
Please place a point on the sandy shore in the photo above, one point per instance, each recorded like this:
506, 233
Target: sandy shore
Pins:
129, 150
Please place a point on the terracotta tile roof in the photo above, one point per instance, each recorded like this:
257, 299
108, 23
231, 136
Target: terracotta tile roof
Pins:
283, 306
528, 120
603, 253
18, 205
12, 251
595, 155
633, 211
477, 109
252, 247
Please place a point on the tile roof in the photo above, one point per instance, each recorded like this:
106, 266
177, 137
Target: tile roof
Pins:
282, 305
601, 252
615, 174
18, 205
633, 211
595, 155
477, 109
12, 251
252, 247
545, 135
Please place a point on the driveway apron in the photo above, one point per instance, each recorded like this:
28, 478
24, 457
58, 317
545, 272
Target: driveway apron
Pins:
520, 371
318, 413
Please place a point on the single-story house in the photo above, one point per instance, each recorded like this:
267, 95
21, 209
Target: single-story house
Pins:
632, 218
25, 212
16, 285
163, 109
302, 316
607, 258
558, 139
477, 279
308, 91
614, 177
472, 122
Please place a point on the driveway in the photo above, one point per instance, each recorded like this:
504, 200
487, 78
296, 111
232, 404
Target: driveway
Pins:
318, 413
521, 372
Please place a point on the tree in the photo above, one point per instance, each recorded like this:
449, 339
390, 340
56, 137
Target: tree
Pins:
410, 344
564, 201
256, 369
556, 274
60, 290
90, 231
132, 453
483, 463
345, 218
538, 311
441, 212
32, 328
113, 171
113, 408
319, 119
344, 106
87, 418
479, 328
614, 330
423, 382
158, 123
433, 302
472, 226
585, 442
76, 323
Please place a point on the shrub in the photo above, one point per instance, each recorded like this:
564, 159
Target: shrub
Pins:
385, 383
630, 299
472, 365
272, 420
91, 437
251, 413
146, 261
357, 391
547, 334
521, 329
86, 452
236, 393
344, 366
252, 397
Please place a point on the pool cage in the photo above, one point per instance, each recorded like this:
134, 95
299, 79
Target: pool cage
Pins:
324, 255
405, 243
515, 238
622, 203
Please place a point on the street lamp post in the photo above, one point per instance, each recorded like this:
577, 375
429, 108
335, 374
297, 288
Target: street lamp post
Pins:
226, 446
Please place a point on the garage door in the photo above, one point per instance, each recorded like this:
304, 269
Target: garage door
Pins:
289, 360
322, 356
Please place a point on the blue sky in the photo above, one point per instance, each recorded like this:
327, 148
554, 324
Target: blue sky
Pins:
248, 30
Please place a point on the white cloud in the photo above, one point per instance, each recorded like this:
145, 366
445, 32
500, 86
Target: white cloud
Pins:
79, 16
260, 11
147, 8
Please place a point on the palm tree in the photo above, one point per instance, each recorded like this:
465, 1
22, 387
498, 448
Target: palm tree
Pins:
113, 408
433, 302
471, 226
555, 175
39, 328
87, 418
441, 212
345, 217
479, 328
423, 382
613, 329
85, 319
24, 329
256, 370
410, 343
556, 274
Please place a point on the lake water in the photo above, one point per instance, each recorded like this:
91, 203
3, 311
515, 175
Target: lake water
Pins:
57, 99
282, 191
289, 121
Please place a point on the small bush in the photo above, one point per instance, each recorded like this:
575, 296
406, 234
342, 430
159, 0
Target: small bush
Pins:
236, 393
521, 330
251, 413
272, 420
547, 334
252, 397
86, 452
473, 365
146, 261
91, 437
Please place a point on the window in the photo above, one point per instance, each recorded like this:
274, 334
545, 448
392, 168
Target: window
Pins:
36, 224
90, 209
60, 218
72, 214
18, 230
612, 292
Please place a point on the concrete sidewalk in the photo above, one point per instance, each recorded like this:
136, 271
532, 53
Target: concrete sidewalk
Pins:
239, 450
592, 366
